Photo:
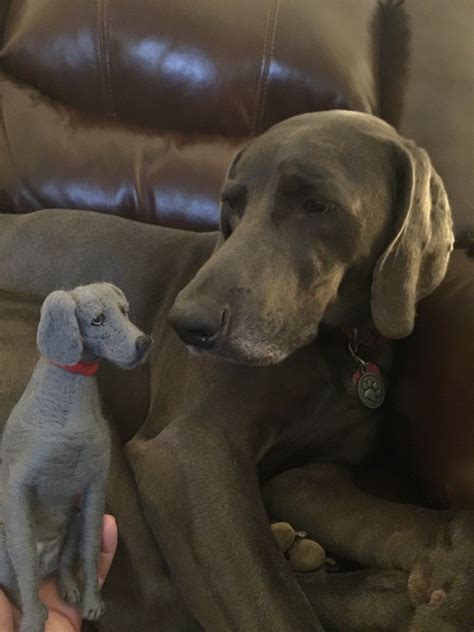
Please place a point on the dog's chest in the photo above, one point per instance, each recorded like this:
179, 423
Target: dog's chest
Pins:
56, 435
326, 421
73, 456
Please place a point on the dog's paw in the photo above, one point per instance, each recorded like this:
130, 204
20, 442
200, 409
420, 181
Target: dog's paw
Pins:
69, 590
92, 607
441, 585
35, 622
303, 555
306, 555
284, 535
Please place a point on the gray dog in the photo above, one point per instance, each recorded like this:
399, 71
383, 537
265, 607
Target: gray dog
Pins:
56, 444
329, 221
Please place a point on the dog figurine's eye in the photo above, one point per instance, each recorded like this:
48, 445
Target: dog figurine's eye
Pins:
98, 320
124, 310
314, 207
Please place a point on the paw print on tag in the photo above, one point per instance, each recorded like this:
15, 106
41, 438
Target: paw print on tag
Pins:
371, 390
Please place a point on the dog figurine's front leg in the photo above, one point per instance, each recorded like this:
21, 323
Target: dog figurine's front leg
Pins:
93, 505
69, 589
22, 550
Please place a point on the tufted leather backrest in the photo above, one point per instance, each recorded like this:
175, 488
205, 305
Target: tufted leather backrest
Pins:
208, 67
136, 108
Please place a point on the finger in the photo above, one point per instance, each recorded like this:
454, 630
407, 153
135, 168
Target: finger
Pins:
59, 623
59, 611
49, 589
6, 614
108, 547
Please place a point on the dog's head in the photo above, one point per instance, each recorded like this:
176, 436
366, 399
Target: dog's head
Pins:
90, 321
328, 217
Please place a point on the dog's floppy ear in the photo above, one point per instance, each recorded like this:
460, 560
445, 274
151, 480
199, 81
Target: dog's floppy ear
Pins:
59, 338
415, 261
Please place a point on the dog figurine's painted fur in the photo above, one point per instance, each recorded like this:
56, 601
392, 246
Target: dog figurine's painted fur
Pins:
56, 445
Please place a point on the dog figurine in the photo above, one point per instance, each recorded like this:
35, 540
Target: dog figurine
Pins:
56, 445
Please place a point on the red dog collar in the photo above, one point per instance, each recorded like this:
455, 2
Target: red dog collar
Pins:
367, 337
88, 369
367, 379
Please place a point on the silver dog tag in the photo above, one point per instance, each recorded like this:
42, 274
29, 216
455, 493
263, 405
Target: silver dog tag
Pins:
371, 389
370, 386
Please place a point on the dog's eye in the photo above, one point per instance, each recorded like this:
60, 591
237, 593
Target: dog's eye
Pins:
226, 227
124, 310
226, 200
98, 320
314, 207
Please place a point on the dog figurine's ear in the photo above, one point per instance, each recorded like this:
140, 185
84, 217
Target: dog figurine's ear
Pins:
415, 261
59, 338
117, 291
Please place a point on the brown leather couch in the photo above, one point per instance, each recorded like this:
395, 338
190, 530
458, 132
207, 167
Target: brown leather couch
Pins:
135, 108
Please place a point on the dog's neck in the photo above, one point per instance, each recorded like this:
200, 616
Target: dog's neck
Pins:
87, 366
64, 395
85, 370
88, 369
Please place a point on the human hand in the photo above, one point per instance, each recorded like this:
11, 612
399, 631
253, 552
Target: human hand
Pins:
63, 617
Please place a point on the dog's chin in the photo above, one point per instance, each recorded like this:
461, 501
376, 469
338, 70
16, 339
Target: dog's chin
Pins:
254, 348
133, 363
244, 353
261, 351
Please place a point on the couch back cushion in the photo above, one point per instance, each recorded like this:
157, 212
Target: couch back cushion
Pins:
209, 67
137, 108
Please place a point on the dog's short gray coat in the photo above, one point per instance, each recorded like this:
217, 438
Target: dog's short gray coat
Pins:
328, 220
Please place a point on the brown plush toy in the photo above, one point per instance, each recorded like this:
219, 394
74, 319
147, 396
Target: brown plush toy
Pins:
303, 555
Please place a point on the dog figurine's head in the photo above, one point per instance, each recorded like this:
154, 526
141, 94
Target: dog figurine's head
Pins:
328, 217
90, 322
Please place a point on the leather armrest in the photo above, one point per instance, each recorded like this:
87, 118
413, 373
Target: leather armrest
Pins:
433, 389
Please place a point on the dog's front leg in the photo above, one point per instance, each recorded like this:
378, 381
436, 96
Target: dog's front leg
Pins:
359, 601
435, 547
324, 500
21, 545
93, 506
201, 496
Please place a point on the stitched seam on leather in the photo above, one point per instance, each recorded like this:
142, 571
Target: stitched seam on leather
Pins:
16, 171
103, 57
107, 55
99, 47
269, 62
6, 19
262, 71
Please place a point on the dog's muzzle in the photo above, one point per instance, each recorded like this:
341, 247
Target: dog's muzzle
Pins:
142, 345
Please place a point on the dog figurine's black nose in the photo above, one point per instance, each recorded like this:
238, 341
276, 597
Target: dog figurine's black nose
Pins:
195, 331
142, 344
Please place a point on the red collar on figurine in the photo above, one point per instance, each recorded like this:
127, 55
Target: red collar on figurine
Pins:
88, 369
